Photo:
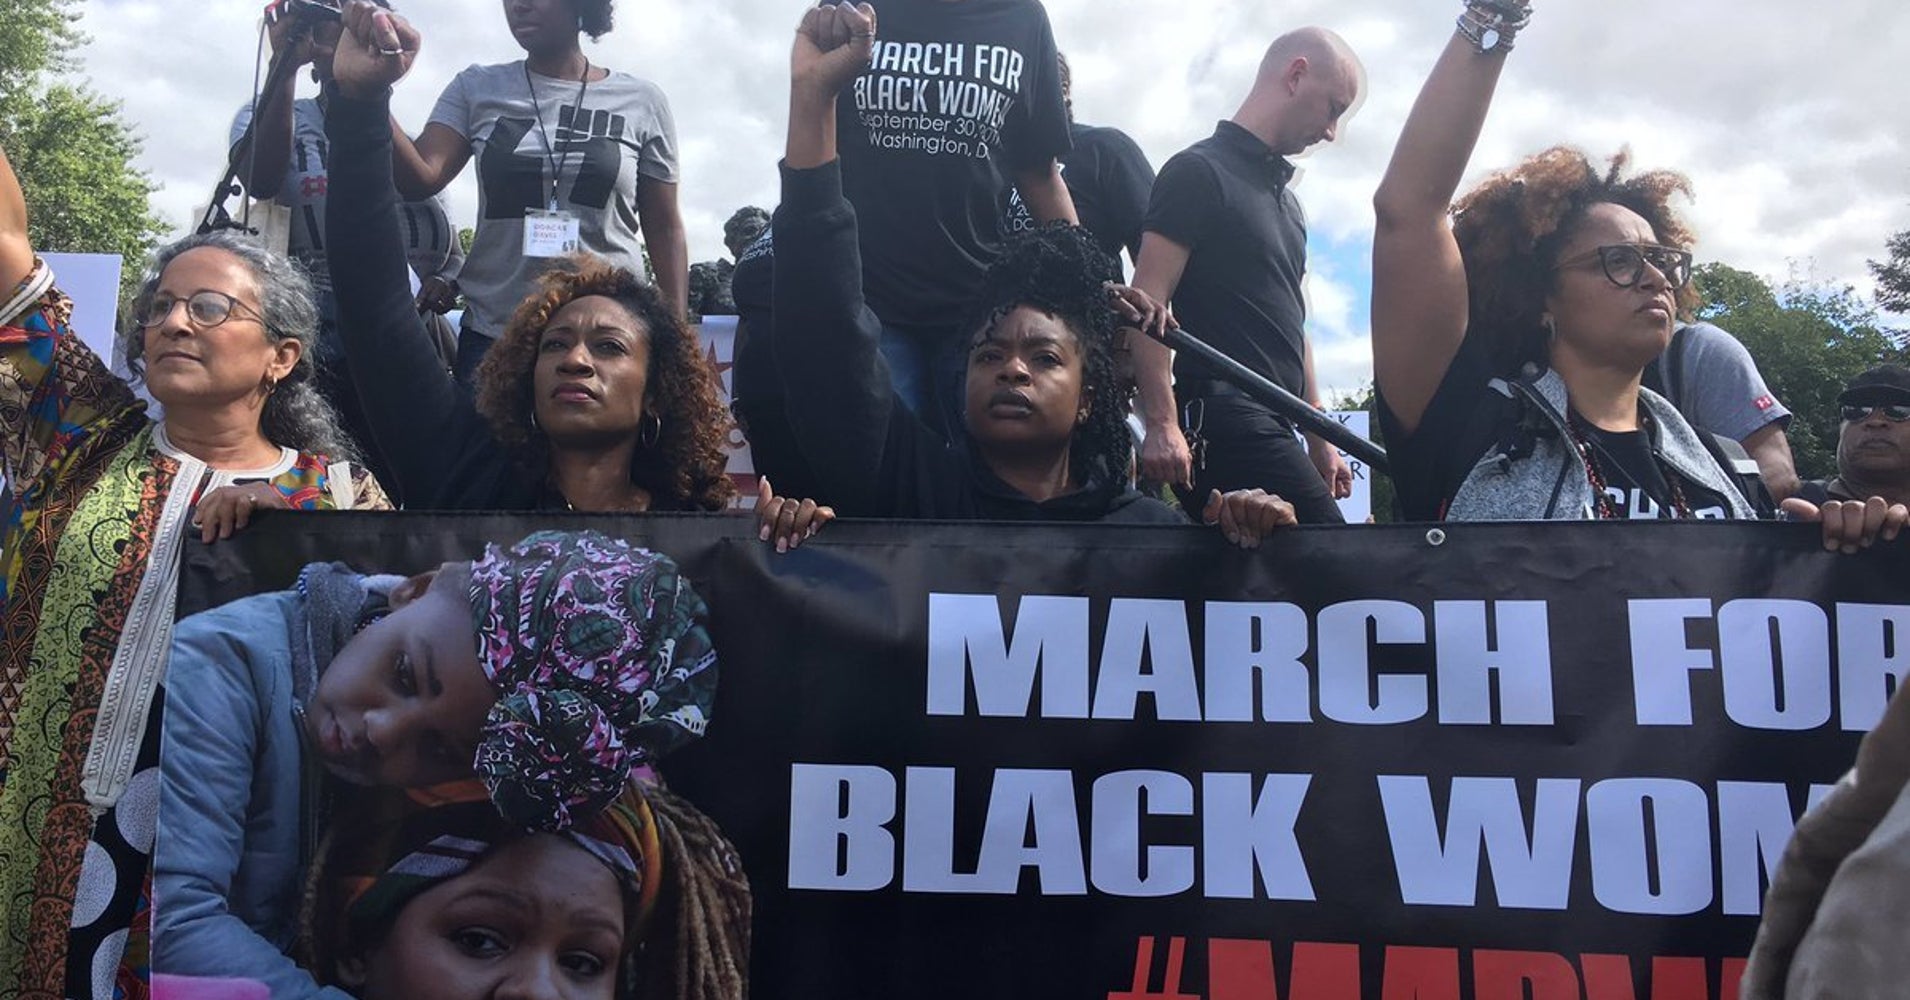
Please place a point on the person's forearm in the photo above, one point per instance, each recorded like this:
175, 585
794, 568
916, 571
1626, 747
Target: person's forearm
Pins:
413, 176
408, 403
1439, 135
812, 129
1046, 196
1153, 380
1772, 450
1157, 271
838, 400
16, 255
271, 151
670, 258
1310, 387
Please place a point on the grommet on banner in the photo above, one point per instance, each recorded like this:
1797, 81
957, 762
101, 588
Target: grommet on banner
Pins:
1436, 536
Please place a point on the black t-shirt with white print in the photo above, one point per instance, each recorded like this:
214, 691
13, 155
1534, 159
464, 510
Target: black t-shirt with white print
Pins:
957, 98
1635, 481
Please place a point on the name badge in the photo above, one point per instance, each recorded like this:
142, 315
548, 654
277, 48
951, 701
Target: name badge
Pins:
550, 233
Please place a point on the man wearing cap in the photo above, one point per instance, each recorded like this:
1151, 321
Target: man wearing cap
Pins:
1873, 450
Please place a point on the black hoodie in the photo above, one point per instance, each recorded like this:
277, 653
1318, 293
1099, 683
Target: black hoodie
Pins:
868, 454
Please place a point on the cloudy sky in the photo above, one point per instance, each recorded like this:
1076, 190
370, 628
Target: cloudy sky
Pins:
1790, 119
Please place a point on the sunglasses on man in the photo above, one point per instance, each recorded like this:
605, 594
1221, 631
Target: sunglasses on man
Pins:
1896, 413
1624, 263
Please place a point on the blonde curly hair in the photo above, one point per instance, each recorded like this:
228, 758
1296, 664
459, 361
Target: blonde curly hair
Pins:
1511, 227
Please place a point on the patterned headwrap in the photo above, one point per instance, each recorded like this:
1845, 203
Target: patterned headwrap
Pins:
403, 841
601, 661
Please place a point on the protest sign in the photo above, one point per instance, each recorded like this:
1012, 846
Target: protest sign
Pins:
1484, 760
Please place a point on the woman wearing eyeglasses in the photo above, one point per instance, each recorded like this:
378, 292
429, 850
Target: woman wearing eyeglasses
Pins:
102, 498
1511, 328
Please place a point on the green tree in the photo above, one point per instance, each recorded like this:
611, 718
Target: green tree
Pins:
72, 150
1808, 341
1893, 275
35, 36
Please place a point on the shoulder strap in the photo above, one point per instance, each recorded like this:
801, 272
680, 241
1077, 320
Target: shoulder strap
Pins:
1742, 470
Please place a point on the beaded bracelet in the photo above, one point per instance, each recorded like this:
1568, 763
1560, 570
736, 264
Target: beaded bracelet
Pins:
1491, 25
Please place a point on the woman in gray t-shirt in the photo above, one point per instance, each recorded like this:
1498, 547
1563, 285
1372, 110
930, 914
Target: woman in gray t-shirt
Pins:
570, 156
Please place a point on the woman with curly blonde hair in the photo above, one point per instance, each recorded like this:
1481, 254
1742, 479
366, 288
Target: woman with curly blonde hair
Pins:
1511, 329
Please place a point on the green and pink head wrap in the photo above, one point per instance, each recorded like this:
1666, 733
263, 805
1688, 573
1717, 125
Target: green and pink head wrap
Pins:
602, 664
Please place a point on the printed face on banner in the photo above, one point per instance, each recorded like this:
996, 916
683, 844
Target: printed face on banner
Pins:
537, 917
404, 700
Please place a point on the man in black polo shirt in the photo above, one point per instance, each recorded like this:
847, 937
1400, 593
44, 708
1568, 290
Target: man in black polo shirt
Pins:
1225, 243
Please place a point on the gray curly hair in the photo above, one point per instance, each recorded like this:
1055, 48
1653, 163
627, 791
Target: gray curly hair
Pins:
295, 416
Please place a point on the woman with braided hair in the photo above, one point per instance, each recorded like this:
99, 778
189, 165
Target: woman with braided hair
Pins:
554, 671
429, 892
1042, 436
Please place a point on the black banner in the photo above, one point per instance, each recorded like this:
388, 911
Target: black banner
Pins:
1481, 761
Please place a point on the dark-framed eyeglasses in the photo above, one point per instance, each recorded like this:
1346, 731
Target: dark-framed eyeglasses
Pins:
205, 308
1896, 413
1624, 263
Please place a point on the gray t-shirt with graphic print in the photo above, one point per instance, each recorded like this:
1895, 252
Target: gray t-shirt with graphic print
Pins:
596, 155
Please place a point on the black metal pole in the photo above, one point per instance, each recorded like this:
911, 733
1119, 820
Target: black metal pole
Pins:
1275, 398
277, 78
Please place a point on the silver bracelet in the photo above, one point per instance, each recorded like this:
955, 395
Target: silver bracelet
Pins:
1492, 25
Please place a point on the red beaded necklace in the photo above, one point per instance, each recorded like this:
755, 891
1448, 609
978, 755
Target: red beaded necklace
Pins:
1601, 500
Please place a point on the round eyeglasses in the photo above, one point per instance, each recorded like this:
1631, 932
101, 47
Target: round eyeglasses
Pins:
205, 309
1624, 263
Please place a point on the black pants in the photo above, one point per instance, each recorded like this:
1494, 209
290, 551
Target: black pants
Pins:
1246, 446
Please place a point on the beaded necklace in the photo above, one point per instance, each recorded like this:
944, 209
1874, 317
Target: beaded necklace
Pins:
1601, 500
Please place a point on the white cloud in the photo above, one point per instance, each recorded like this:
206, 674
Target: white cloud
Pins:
1789, 122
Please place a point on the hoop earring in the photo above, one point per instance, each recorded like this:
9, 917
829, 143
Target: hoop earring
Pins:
534, 426
271, 385
650, 430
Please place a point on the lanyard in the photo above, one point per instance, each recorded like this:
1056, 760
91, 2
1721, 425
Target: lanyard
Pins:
550, 152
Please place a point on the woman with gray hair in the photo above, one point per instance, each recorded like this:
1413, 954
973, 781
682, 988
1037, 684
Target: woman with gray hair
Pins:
103, 495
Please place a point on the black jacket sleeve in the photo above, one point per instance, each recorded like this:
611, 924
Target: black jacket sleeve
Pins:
424, 422
860, 443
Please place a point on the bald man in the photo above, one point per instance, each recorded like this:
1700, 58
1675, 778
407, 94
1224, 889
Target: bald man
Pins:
1225, 243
